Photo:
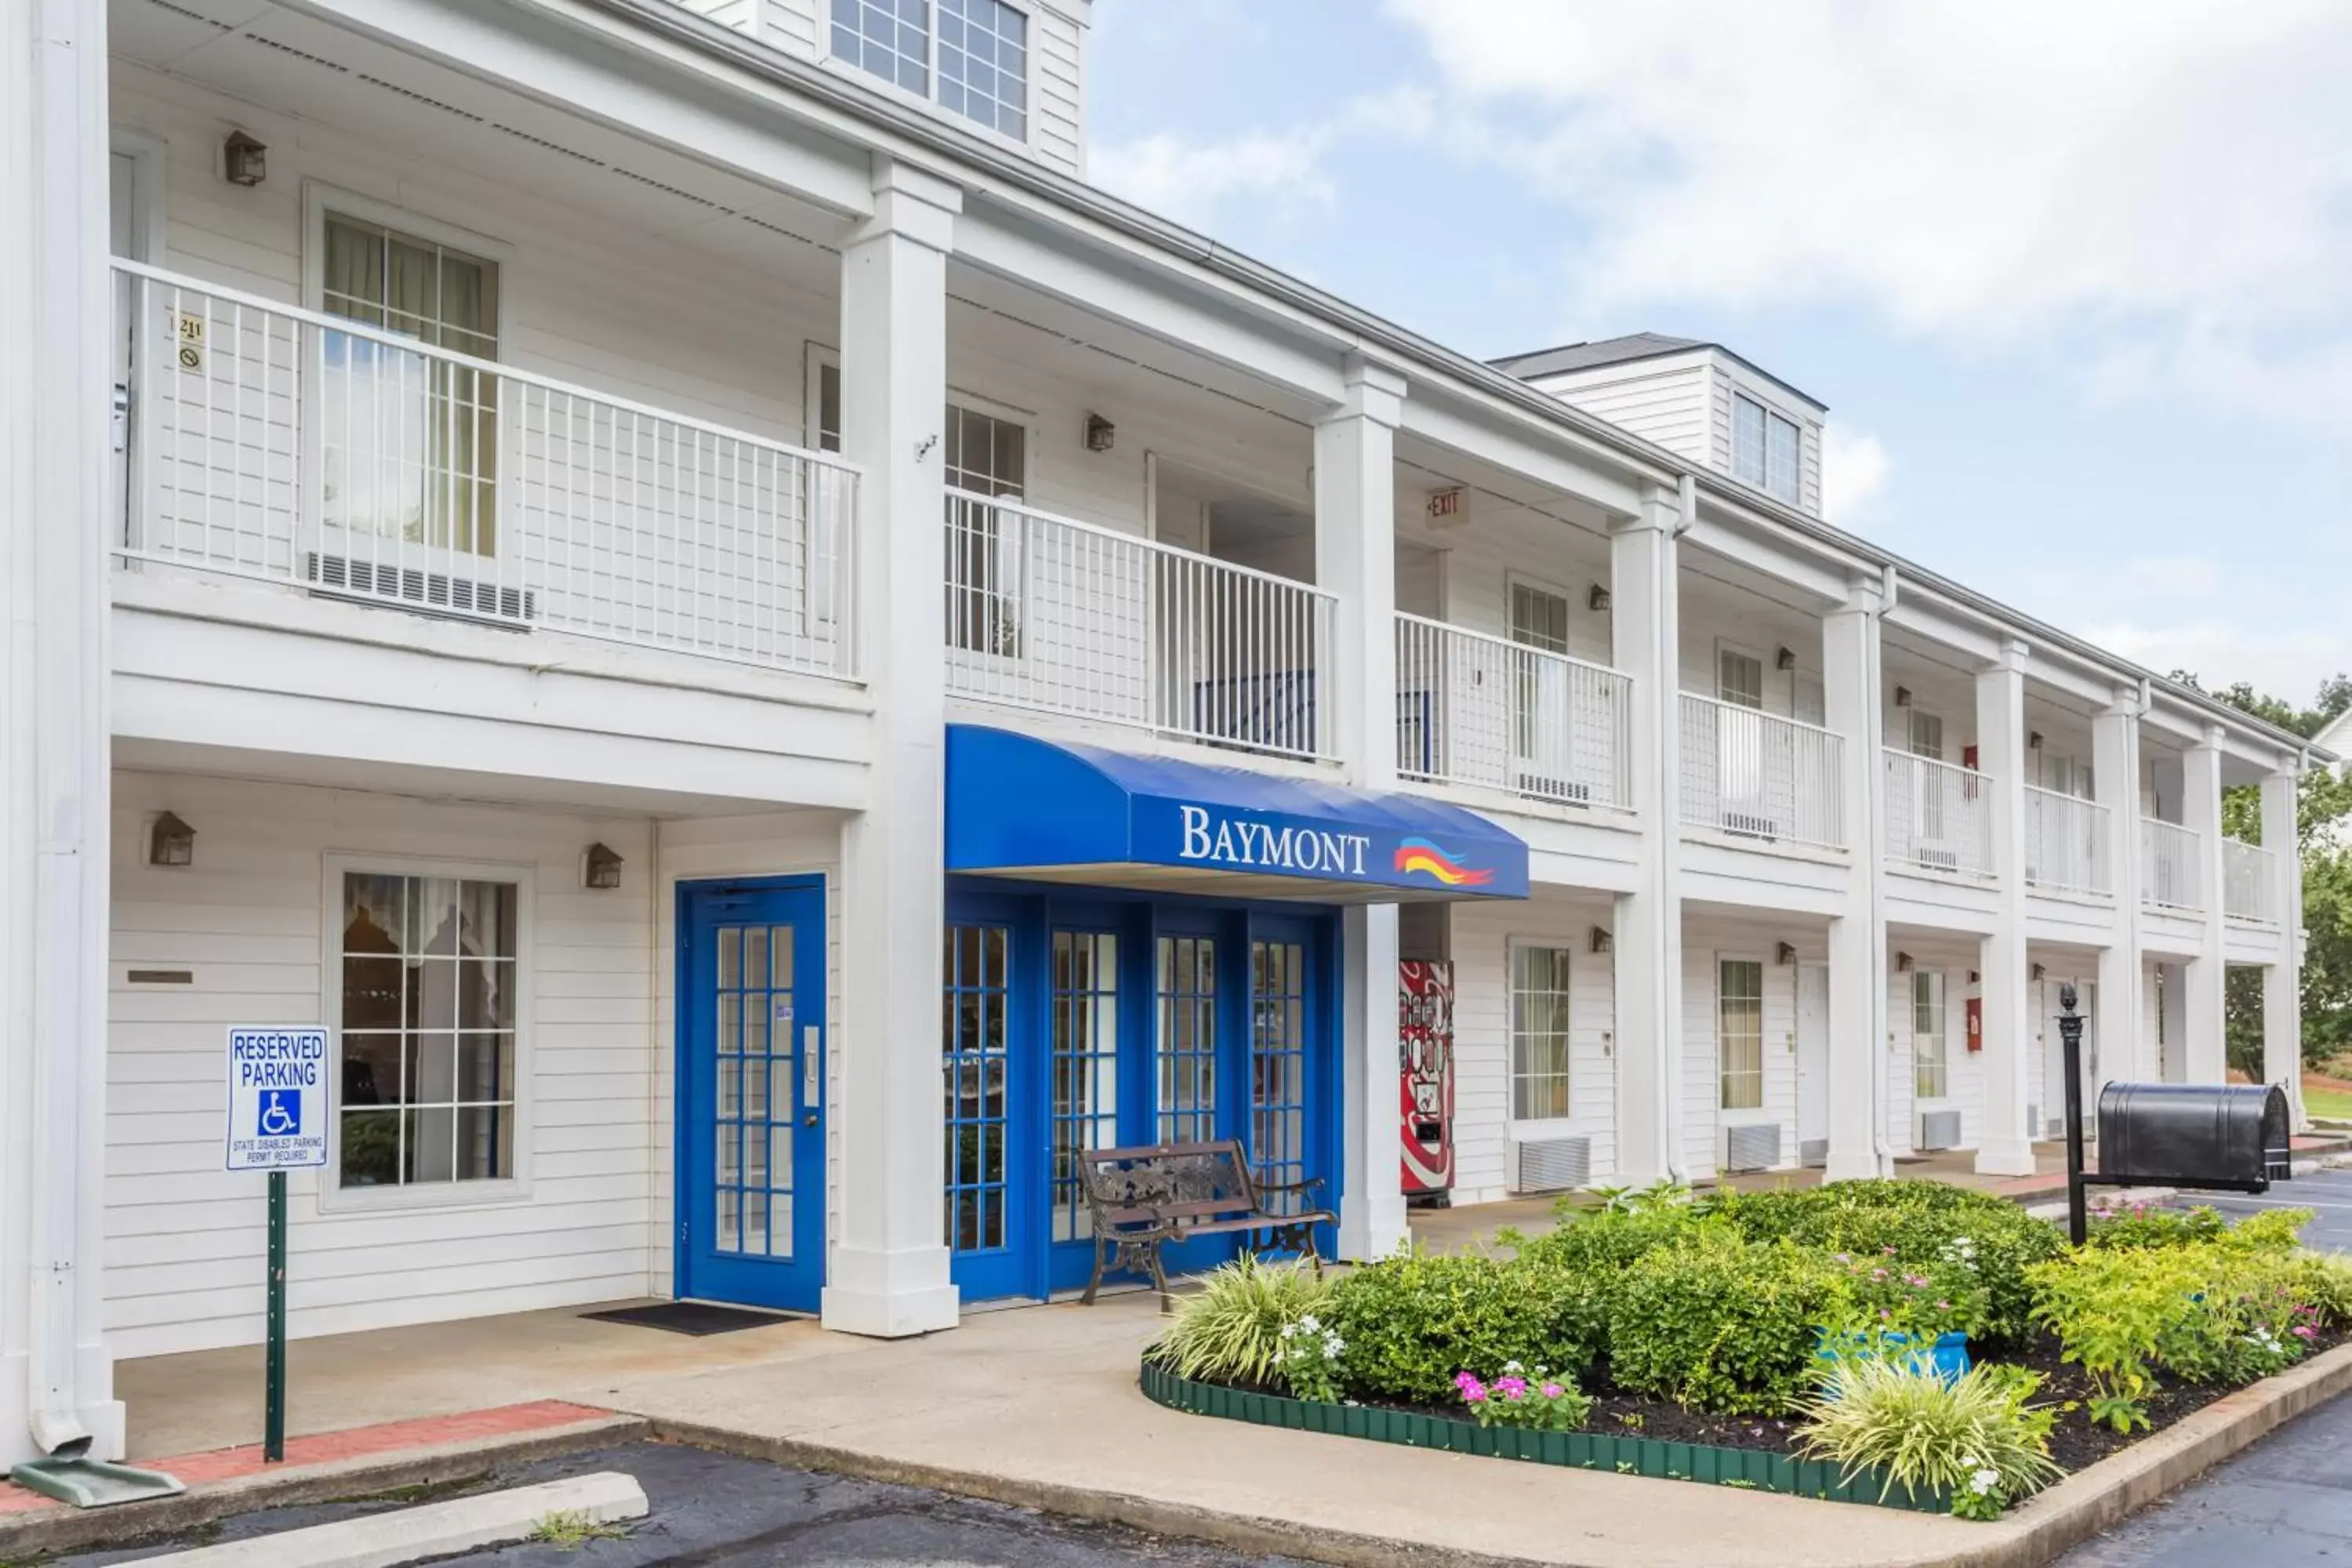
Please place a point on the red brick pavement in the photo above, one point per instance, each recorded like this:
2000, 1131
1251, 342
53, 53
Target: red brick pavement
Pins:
358, 1443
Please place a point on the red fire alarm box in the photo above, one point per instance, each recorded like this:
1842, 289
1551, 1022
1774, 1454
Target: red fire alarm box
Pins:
1426, 1073
1976, 1011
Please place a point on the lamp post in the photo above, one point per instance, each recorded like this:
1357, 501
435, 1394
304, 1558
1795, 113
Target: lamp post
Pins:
2070, 1034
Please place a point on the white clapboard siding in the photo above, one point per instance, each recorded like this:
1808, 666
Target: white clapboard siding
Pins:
1664, 400
1482, 935
1500, 544
792, 844
1058, 51
185, 1239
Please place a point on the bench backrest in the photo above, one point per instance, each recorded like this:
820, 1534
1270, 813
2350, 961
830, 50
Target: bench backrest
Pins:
1157, 1183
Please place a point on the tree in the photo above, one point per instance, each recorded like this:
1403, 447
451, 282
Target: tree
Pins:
2323, 839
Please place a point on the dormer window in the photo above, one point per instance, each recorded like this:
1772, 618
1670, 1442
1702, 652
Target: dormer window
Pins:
1763, 448
971, 56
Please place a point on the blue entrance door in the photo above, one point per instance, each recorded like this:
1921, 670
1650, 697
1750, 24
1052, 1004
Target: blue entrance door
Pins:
750, 1182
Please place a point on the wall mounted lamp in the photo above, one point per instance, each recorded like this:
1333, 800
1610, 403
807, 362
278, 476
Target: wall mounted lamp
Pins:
1601, 941
244, 160
601, 868
1598, 599
1100, 432
171, 842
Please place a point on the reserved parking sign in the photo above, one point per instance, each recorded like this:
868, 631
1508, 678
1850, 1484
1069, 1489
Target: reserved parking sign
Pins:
276, 1097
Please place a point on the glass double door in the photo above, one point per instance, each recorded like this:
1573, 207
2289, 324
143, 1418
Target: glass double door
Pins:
1073, 1023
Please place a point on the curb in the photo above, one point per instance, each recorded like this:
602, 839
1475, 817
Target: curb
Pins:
2042, 1529
49, 1530
432, 1530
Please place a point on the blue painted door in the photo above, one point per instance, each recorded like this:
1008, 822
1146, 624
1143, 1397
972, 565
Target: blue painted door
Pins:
750, 1181
990, 966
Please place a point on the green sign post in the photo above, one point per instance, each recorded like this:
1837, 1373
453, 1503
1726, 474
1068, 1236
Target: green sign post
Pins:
276, 1122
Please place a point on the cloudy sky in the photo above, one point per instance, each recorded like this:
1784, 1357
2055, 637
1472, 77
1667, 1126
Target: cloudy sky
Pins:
2075, 279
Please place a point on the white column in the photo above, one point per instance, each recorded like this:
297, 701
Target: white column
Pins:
2005, 1145
56, 1376
2119, 1027
1851, 682
1648, 925
2283, 976
2207, 1057
1355, 558
889, 1273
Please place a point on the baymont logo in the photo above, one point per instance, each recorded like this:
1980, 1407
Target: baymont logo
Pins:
1420, 855
1237, 841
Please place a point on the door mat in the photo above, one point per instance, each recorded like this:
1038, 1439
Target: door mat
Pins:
696, 1318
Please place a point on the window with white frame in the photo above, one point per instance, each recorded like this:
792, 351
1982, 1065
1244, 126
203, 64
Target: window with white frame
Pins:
971, 57
1764, 448
1538, 619
428, 972
986, 457
1539, 987
1739, 677
1739, 1033
1930, 1045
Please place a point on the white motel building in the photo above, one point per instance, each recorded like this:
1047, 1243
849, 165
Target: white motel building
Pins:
769, 662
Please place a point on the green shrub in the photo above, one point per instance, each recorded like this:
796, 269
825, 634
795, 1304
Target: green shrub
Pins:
1414, 1322
2226, 1311
1599, 1246
1230, 1330
2324, 1279
1976, 1438
1919, 1228
2143, 1226
1721, 1323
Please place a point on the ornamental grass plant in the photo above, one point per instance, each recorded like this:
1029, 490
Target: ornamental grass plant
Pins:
1977, 1439
1231, 1329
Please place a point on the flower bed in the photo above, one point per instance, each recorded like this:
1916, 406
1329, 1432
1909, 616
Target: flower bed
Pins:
1782, 1329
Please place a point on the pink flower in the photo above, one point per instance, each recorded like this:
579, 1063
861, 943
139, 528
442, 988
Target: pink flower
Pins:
1943, 1305
1878, 1274
1511, 1387
1888, 1250
1917, 1281
2307, 1331
1472, 1390
1552, 1390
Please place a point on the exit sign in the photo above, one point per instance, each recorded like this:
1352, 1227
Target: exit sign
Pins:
1445, 503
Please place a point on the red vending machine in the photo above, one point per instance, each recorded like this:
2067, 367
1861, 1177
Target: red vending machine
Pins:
1425, 1072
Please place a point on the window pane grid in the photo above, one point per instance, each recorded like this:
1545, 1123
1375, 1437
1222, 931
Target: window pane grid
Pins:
756, 1070
986, 456
977, 968
983, 64
1085, 1068
429, 1029
891, 38
1187, 1042
1278, 1069
1540, 1034
1930, 1066
1740, 1032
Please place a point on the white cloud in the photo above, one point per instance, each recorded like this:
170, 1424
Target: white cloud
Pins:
2168, 182
1854, 467
1188, 181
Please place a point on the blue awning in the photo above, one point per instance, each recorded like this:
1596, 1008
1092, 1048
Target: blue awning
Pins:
1021, 806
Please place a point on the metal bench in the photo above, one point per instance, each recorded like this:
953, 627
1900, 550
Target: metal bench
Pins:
1144, 1198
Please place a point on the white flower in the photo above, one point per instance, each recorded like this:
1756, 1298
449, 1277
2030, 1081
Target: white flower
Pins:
1309, 1323
1983, 1481
1511, 1368
1289, 1330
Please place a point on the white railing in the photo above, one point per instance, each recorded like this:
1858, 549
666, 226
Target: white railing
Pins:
2247, 885
2168, 856
1939, 817
2066, 843
1757, 775
1062, 616
297, 448
1479, 709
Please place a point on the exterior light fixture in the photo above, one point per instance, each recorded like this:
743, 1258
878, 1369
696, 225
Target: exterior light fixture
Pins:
1784, 658
1901, 963
1902, 697
1601, 941
1100, 432
171, 842
244, 160
2033, 740
603, 869
2039, 972
1786, 953
1598, 599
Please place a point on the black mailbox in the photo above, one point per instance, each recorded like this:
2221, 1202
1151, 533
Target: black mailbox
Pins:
2232, 1136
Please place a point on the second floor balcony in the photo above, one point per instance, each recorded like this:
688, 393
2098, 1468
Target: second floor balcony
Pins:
318, 452
1756, 776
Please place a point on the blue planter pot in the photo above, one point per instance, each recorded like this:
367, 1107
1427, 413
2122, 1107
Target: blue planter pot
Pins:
1947, 1357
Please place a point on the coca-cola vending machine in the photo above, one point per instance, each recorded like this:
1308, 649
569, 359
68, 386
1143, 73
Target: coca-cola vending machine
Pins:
1425, 1074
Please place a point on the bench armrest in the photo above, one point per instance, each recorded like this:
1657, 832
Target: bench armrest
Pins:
1308, 1186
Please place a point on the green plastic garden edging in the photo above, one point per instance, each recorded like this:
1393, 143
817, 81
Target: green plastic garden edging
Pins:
1747, 1468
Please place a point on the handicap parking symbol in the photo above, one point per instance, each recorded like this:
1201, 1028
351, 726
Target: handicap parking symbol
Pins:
282, 1114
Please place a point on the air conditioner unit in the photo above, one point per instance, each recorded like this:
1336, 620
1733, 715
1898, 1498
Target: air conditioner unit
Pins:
2032, 1118
1938, 1130
1937, 856
1748, 1146
1574, 792
1813, 1153
416, 588
1551, 1164
1750, 823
